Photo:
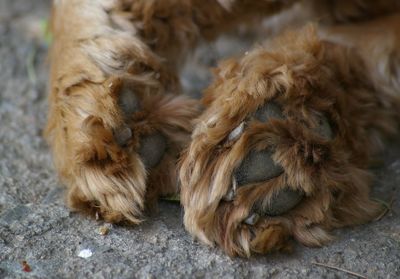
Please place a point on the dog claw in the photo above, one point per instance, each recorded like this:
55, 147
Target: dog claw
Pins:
252, 219
257, 167
230, 196
152, 149
237, 132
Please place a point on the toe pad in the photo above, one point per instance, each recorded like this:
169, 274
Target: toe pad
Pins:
257, 167
280, 203
152, 149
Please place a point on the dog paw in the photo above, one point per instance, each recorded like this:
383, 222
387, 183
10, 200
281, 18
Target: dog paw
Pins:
244, 180
118, 149
269, 159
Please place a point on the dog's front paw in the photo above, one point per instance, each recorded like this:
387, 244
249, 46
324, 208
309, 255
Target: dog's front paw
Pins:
269, 158
116, 146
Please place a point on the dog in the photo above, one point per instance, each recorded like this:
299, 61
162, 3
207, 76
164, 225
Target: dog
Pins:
278, 147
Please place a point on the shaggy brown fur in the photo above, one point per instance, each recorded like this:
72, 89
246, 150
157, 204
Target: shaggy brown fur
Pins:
114, 84
101, 47
307, 76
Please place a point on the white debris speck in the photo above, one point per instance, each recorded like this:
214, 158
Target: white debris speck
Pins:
85, 253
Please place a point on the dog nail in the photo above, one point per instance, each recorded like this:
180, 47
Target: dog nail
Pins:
212, 122
237, 132
268, 111
230, 196
257, 167
280, 203
123, 136
252, 219
152, 149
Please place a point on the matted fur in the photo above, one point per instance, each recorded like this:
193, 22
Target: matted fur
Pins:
104, 50
102, 46
307, 77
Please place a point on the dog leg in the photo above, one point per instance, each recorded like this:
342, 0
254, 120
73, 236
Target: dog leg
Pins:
379, 50
282, 148
342, 11
116, 124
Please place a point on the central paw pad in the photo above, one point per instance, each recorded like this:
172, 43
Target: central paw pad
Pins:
259, 166
152, 147
263, 149
275, 205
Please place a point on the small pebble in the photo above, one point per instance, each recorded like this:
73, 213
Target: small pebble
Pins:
104, 230
85, 253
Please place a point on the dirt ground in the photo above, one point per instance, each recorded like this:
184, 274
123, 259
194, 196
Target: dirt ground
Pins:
35, 225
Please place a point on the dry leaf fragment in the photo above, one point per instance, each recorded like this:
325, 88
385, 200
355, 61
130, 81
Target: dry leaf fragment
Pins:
26, 267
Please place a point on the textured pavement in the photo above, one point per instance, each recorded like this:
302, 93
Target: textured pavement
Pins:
36, 227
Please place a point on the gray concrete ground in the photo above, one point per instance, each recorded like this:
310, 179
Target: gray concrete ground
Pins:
35, 225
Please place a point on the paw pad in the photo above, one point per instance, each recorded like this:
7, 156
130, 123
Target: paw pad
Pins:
279, 203
152, 147
323, 128
268, 111
258, 166
128, 101
122, 136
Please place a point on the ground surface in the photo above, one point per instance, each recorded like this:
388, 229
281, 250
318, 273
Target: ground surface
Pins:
36, 226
